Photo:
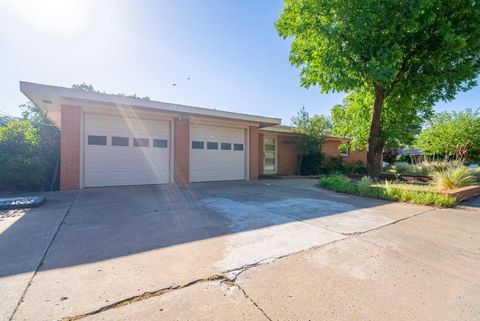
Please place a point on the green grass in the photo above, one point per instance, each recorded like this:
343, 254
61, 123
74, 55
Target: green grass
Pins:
392, 192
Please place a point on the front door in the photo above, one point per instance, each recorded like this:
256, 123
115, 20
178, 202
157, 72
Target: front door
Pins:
269, 155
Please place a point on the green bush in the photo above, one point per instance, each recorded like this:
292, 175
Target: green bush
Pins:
365, 185
311, 163
386, 191
21, 164
476, 173
454, 177
402, 168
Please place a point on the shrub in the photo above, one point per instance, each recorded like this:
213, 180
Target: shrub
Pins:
364, 185
454, 177
311, 163
476, 173
402, 168
21, 163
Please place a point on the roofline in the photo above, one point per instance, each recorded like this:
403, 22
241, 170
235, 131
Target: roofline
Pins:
291, 130
48, 91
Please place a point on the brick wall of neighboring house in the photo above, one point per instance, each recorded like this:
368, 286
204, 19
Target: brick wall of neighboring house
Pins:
254, 153
70, 147
181, 153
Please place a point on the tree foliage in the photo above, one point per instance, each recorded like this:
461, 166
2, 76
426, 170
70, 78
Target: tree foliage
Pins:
448, 134
352, 119
89, 88
405, 53
29, 151
21, 164
312, 131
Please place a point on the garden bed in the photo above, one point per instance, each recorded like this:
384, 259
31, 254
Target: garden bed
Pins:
423, 194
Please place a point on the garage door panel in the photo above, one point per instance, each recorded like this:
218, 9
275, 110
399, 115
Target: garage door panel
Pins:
125, 165
217, 164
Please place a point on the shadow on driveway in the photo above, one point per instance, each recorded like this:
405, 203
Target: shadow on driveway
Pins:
105, 223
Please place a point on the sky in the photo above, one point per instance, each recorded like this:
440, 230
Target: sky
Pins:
230, 50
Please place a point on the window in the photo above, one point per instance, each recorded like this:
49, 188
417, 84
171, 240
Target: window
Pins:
343, 149
160, 143
119, 141
212, 145
97, 140
141, 142
197, 145
238, 147
226, 146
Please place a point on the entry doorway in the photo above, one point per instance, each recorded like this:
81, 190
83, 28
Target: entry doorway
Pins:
270, 155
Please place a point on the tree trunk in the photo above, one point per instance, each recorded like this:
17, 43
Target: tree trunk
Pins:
375, 141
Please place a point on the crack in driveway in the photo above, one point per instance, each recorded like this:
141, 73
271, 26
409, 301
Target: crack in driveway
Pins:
228, 277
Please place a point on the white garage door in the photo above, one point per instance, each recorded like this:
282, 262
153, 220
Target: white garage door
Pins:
125, 151
217, 153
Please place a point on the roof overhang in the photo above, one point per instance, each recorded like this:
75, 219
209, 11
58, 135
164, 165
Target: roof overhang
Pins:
50, 99
291, 130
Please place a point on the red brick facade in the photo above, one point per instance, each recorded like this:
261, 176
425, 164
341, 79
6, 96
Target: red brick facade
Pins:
181, 153
254, 153
70, 147
287, 157
330, 149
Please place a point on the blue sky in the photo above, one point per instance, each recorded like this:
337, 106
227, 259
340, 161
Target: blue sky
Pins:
229, 49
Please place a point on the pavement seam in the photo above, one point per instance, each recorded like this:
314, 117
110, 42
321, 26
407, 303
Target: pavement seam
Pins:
223, 277
253, 302
389, 224
43, 256
149, 295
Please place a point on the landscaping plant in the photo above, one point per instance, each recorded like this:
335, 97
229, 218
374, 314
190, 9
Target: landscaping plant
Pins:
454, 177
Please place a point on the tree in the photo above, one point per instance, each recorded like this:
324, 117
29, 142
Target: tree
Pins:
402, 52
353, 118
312, 131
89, 88
451, 135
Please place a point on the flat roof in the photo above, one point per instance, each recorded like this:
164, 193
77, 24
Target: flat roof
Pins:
291, 130
50, 98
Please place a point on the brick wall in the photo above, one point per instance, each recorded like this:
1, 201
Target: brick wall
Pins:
330, 149
287, 155
181, 153
70, 147
254, 153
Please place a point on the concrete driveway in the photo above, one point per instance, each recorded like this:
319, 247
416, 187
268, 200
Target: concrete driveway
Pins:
270, 250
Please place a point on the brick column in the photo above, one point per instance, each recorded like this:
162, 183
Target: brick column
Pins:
181, 153
70, 148
254, 152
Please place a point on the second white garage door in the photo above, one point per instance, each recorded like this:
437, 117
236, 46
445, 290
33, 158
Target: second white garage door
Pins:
217, 153
125, 151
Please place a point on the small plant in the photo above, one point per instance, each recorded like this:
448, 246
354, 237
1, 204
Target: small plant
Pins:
454, 177
476, 173
364, 185
402, 168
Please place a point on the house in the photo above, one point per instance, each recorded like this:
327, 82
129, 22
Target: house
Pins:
111, 140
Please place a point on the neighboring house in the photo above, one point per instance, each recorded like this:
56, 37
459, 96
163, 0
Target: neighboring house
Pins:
110, 140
